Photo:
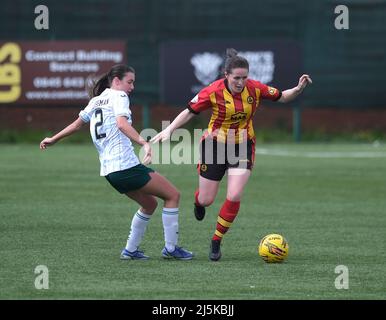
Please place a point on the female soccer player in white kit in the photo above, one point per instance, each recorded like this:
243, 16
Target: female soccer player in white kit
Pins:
110, 126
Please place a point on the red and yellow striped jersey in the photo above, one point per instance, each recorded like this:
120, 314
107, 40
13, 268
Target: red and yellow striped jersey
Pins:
232, 113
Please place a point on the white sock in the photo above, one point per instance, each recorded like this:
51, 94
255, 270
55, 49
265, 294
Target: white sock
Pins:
138, 228
170, 223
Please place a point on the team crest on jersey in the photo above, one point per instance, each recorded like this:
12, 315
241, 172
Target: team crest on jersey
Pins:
250, 100
206, 66
239, 116
203, 167
271, 91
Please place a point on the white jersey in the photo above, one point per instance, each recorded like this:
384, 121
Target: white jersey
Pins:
115, 149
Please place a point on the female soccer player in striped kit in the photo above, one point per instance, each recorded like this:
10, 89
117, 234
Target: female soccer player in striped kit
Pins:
228, 144
110, 126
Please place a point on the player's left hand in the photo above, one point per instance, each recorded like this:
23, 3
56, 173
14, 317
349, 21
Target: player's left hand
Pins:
162, 136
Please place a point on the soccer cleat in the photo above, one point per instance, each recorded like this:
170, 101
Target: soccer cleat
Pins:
135, 255
215, 251
199, 212
178, 253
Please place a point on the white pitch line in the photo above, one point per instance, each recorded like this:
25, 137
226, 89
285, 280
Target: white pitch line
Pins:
321, 154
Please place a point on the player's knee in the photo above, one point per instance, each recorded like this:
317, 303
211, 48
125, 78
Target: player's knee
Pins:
174, 197
205, 200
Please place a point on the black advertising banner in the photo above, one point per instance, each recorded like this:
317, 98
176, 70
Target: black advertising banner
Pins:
188, 66
54, 72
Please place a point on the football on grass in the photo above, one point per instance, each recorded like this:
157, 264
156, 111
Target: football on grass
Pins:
273, 248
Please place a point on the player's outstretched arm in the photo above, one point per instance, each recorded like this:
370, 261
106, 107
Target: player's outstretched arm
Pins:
133, 135
67, 131
290, 94
179, 121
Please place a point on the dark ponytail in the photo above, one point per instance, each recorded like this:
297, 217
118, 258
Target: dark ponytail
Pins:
233, 61
119, 71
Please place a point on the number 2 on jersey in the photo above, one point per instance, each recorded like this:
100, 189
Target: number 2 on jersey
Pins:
99, 113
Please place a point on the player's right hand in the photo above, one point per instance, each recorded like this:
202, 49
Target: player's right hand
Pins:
46, 142
147, 157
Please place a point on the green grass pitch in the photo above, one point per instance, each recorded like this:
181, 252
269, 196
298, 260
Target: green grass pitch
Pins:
329, 201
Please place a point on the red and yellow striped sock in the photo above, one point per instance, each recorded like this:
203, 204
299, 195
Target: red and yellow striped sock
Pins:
225, 218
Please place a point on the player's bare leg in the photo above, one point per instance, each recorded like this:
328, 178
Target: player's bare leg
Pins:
160, 187
147, 202
204, 196
208, 191
237, 179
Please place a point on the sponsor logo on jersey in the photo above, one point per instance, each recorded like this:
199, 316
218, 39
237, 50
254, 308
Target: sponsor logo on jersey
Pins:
238, 116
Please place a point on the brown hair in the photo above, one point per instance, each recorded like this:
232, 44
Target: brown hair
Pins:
118, 70
234, 61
